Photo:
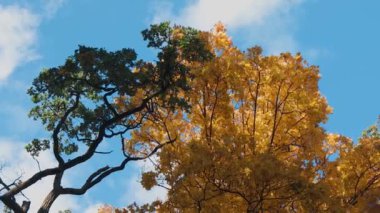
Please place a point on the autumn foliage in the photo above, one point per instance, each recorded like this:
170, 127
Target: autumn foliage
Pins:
252, 140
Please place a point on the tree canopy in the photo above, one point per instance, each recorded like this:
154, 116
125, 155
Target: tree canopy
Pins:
253, 142
234, 131
97, 95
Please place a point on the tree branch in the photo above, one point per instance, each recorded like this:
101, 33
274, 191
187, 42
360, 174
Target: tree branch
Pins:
103, 172
57, 130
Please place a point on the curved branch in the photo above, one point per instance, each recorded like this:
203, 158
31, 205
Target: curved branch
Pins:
57, 130
36, 177
107, 103
103, 172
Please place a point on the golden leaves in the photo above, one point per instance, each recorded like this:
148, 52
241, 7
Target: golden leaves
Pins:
148, 180
121, 103
254, 135
177, 34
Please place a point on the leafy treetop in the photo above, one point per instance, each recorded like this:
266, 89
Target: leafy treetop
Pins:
252, 140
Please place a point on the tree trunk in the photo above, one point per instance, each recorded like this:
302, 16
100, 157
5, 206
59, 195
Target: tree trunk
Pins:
10, 203
253, 208
25, 205
49, 200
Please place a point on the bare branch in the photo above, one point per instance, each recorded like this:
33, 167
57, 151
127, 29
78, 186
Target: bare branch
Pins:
103, 172
100, 152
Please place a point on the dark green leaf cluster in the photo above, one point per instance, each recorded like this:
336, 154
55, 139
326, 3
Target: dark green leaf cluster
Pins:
75, 101
193, 47
36, 146
190, 47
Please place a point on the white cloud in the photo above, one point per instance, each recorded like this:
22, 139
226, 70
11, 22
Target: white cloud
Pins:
51, 7
315, 54
16, 115
267, 22
162, 11
18, 27
21, 163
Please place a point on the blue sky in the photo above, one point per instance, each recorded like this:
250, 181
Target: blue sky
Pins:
342, 37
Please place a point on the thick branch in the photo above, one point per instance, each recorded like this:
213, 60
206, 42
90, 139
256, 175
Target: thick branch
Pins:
102, 173
7, 198
11, 203
25, 184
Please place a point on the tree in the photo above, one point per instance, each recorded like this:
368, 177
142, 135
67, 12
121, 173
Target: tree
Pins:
253, 140
97, 95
